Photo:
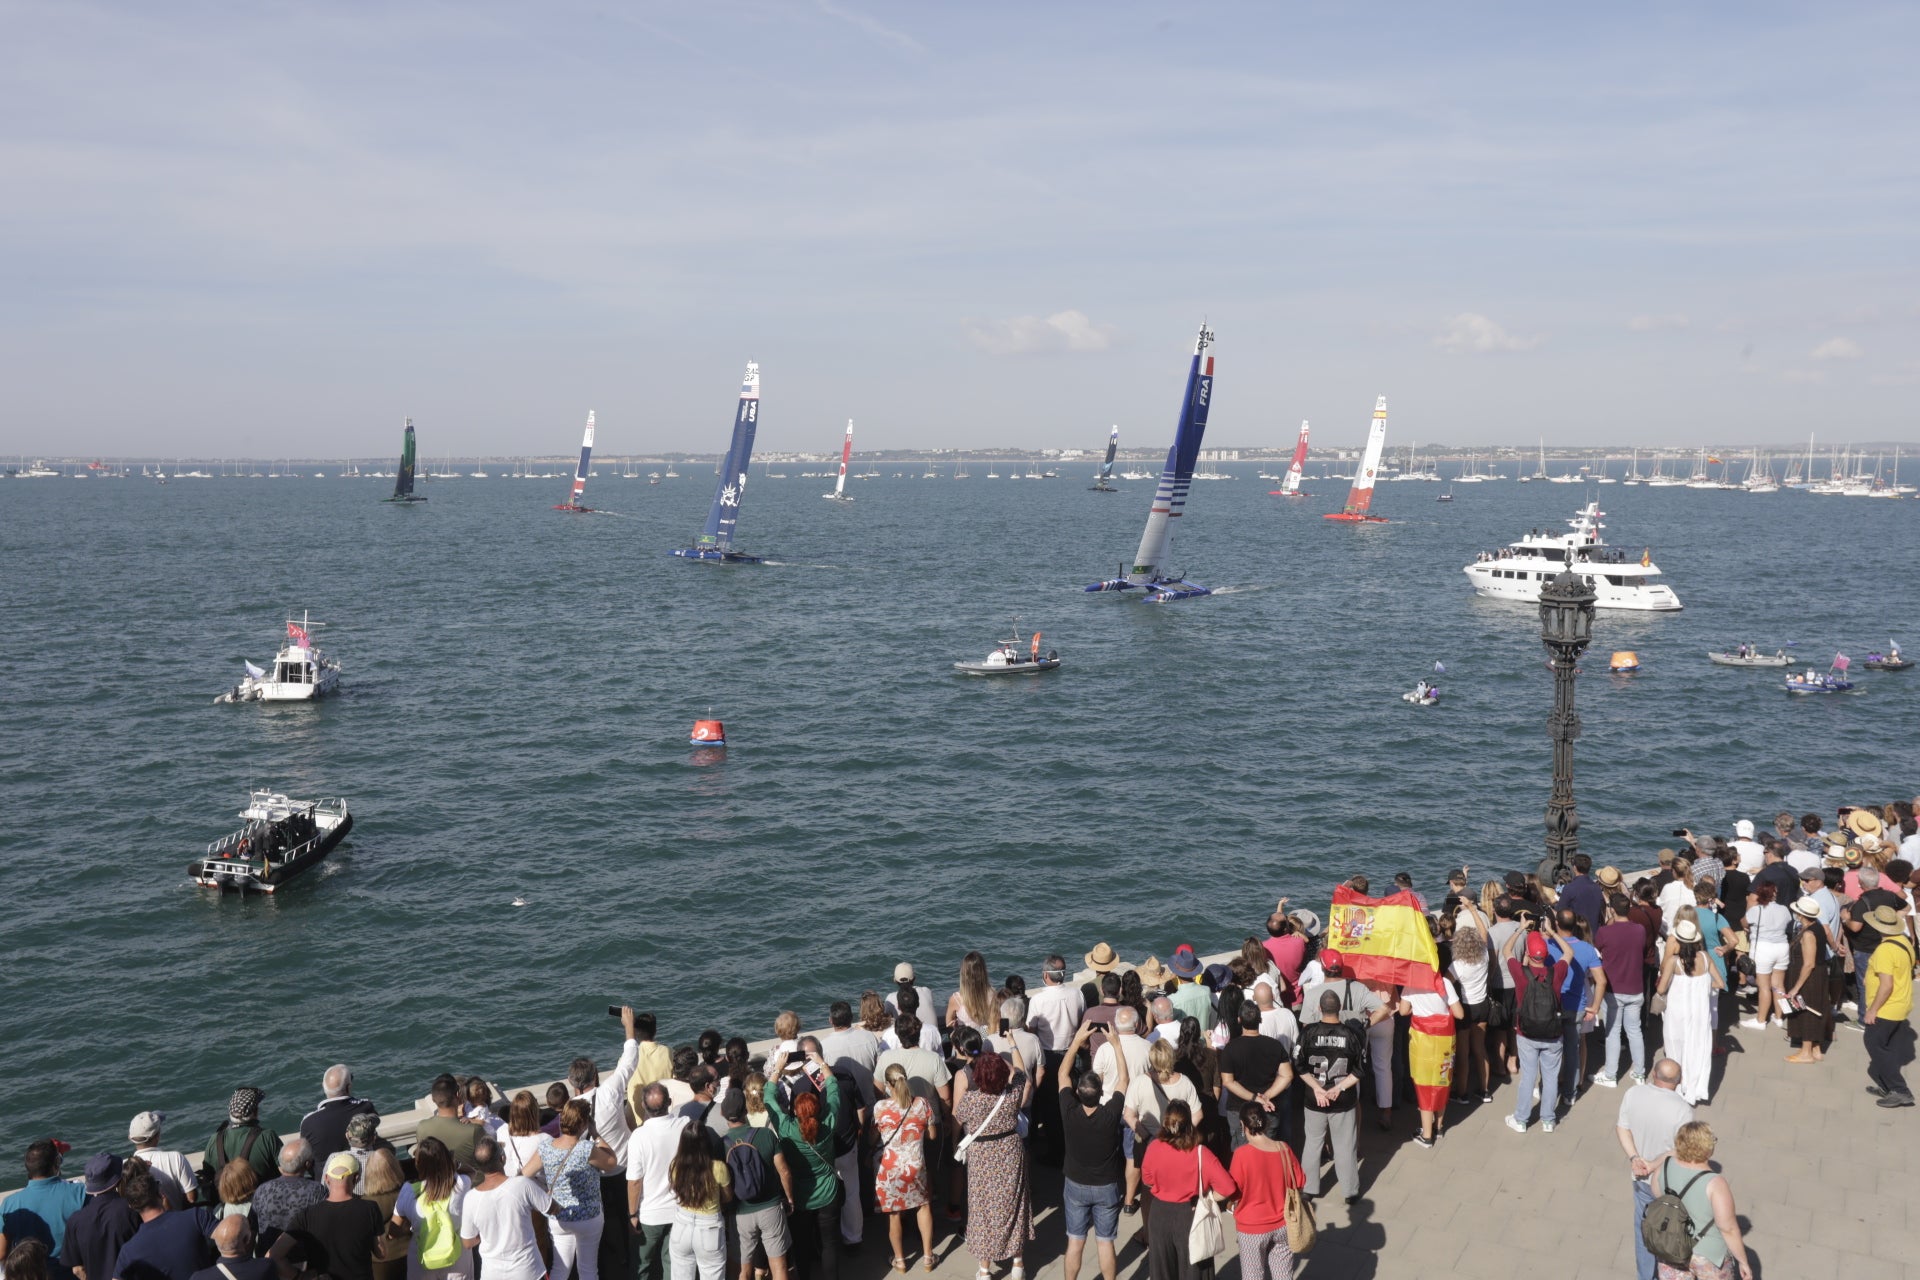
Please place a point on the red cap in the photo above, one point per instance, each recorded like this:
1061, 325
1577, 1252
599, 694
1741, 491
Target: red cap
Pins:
1536, 947
1330, 960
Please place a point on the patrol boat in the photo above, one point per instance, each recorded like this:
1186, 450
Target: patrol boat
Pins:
281, 839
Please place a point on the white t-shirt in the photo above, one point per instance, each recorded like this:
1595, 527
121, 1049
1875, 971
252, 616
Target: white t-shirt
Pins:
929, 1012
1673, 897
518, 1148
407, 1206
1751, 855
1769, 922
1104, 1066
929, 1038
1053, 1014
1802, 860
502, 1221
173, 1172
1472, 979
1149, 1103
1279, 1023
1427, 1004
649, 1161
1032, 1058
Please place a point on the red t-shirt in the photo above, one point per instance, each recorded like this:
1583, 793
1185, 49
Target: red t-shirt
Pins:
1289, 956
1174, 1176
1263, 1178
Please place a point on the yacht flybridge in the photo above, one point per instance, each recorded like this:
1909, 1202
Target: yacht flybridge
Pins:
300, 671
1619, 581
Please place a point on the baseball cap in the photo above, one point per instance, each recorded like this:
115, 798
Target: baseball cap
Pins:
341, 1164
1743, 829
1516, 880
734, 1106
1536, 947
1330, 961
146, 1126
903, 972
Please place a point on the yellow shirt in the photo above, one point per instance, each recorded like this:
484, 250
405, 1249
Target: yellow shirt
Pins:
1892, 962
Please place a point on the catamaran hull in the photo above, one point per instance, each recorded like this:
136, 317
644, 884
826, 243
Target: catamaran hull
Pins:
406, 499
708, 553
1355, 517
1159, 591
568, 506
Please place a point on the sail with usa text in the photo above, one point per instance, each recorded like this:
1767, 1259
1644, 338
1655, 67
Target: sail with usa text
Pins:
716, 538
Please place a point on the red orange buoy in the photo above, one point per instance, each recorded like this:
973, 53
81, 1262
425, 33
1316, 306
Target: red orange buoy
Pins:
708, 733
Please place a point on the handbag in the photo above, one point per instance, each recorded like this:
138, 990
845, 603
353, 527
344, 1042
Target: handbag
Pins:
1302, 1232
960, 1149
1657, 1003
1205, 1234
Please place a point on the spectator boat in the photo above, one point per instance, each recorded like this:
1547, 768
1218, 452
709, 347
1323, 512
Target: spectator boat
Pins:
1007, 660
281, 839
1618, 580
300, 671
1751, 658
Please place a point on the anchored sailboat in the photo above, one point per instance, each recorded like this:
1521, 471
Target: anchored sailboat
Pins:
716, 539
403, 479
1149, 571
580, 476
1103, 481
839, 493
1360, 497
1290, 484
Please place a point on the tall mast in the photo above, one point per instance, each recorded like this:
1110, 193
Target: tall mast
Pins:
1360, 497
725, 512
1176, 477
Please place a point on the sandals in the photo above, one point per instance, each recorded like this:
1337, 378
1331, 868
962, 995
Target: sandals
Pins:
900, 1265
926, 1264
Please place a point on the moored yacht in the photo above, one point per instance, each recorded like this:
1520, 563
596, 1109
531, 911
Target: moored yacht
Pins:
1619, 581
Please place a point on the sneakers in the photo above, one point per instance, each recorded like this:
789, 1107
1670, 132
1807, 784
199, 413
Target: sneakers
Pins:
1516, 1125
1546, 1126
1895, 1100
1753, 1024
1605, 1081
1638, 1077
1486, 1097
1778, 1024
1876, 1091
1421, 1139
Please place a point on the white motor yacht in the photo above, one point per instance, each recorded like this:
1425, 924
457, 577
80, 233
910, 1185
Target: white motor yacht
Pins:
1619, 581
300, 672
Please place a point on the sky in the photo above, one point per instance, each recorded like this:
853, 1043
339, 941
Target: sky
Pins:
276, 229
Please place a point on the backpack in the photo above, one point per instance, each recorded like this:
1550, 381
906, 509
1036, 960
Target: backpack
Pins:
1539, 1007
1668, 1230
748, 1169
206, 1178
436, 1243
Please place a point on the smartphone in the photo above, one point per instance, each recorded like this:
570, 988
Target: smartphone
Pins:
1680, 835
613, 1011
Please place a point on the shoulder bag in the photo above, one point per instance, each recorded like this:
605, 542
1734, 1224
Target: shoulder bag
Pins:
960, 1150
1302, 1233
1205, 1234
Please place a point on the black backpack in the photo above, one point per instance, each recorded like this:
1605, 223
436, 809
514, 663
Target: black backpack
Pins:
1539, 1007
206, 1178
748, 1169
1668, 1230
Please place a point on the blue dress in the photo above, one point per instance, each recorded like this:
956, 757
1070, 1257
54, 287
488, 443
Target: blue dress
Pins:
572, 1180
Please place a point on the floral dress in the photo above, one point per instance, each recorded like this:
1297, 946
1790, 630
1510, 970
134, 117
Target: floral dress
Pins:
999, 1205
900, 1184
571, 1179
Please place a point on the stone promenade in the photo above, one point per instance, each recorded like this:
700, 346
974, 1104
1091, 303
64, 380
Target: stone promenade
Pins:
1825, 1182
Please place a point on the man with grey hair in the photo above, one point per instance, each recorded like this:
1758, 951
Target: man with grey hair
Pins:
1126, 1040
1650, 1114
277, 1200
1166, 1021
325, 1127
234, 1239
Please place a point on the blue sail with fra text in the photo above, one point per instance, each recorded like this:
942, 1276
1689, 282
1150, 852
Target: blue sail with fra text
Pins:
725, 512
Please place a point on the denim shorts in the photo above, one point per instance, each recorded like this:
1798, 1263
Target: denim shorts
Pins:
1098, 1206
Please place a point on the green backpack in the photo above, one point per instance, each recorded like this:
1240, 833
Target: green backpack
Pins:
436, 1242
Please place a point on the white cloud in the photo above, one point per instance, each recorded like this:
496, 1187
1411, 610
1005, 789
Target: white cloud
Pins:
1470, 333
1035, 335
1836, 349
1655, 324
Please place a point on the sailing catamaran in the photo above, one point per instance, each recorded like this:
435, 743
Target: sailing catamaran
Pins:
403, 479
1290, 484
1360, 497
1149, 571
580, 477
716, 539
839, 493
1103, 482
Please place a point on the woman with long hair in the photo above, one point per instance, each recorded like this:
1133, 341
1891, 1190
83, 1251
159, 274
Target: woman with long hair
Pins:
755, 1088
380, 1182
1767, 923
999, 1205
1472, 1075
430, 1211
975, 1004
1490, 893
518, 1143
570, 1166
1688, 981
966, 1044
1134, 996
1806, 994
874, 1014
1176, 1169
902, 1123
736, 1064
1226, 1028
698, 1240
1201, 1066
1263, 1169
806, 1130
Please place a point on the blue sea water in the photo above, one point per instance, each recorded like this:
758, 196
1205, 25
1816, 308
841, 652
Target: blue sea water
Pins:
519, 684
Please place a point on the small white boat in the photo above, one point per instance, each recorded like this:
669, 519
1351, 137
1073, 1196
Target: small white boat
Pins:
300, 672
1007, 660
1749, 659
1422, 694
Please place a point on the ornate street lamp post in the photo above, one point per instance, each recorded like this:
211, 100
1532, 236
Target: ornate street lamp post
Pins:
1566, 628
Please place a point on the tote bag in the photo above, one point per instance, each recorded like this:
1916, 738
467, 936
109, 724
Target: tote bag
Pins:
1301, 1231
1206, 1235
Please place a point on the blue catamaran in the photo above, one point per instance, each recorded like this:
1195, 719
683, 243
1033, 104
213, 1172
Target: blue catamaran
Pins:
580, 474
1149, 572
716, 539
1103, 482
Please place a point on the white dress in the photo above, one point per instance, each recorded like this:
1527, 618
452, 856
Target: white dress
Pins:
1688, 1026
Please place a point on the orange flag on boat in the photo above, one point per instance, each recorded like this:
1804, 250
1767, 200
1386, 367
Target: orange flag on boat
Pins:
1384, 939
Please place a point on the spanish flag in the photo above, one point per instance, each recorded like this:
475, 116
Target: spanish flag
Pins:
1384, 939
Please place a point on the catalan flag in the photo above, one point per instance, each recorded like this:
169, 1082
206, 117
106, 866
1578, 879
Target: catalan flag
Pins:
1384, 939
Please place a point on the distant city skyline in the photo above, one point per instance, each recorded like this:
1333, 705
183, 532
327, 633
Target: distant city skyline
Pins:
277, 232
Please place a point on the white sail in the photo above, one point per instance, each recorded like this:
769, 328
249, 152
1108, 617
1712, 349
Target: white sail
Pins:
1360, 497
839, 493
1299, 464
